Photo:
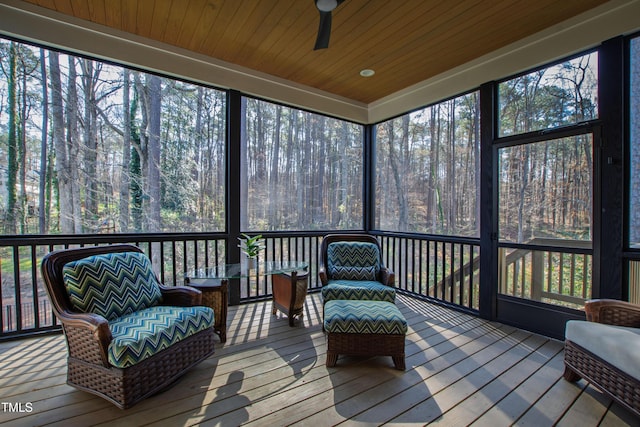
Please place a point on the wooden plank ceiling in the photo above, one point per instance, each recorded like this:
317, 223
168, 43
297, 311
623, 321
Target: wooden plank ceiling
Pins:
404, 41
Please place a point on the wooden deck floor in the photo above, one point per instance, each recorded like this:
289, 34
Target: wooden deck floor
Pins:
460, 371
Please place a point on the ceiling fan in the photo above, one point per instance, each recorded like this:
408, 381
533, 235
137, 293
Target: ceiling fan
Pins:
325, 7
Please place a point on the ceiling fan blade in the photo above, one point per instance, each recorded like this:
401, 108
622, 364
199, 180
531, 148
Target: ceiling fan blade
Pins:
324, 31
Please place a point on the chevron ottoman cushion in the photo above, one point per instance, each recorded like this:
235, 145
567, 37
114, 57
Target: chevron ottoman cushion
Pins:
357, 290
370, 328
112, 284
140, 335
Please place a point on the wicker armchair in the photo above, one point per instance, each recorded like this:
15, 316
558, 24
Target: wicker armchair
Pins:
351, 268
605, 350
128, 337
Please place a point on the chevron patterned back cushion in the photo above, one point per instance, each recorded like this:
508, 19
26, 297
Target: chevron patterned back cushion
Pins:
111, 285
353, 260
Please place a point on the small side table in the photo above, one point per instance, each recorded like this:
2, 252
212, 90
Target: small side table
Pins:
214, 295
289, 293
213, 283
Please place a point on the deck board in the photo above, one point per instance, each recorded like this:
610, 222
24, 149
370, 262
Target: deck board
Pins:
461, 370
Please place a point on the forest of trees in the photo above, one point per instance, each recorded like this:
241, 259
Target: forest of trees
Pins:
302, 171
428, 161
101, 148
427, 170
545, 189
89, 147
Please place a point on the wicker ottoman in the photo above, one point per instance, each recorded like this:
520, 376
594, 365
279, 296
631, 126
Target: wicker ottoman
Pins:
364, 328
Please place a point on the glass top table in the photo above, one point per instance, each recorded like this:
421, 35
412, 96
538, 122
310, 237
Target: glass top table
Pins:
242, 270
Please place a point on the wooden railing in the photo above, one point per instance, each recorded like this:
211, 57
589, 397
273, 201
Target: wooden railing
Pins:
437, 268
445, 269
25, 305
559, 276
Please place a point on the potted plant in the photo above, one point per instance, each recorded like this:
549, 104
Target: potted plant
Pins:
251, 247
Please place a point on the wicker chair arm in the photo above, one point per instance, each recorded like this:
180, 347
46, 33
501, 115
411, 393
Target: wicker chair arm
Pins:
88, 336
613, 312
387, 277
322, 273
181, 296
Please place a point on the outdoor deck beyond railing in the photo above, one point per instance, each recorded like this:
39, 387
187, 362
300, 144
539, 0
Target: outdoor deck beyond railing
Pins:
561, 277
438, 268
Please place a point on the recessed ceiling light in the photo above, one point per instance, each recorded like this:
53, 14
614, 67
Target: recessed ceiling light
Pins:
367, 73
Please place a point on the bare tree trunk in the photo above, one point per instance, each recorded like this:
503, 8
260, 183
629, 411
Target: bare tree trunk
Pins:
318, 200
42, 217
452, 197
89, 78
12, 149
155, 105
125, 179
73, 147
400, 193
274, 190
65, 208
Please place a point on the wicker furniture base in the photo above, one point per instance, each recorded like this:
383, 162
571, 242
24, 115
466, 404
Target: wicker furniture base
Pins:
214, 295
365, 345
126, 387
580, 363
289, 294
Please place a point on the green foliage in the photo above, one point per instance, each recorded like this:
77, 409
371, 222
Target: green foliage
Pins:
251, 246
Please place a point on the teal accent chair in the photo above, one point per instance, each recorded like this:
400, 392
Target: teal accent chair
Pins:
351, 268
128, 336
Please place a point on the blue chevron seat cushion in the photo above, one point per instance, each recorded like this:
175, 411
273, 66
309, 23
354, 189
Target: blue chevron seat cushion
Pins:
112, 285
142, 334
363, 317
353, 260
357, 290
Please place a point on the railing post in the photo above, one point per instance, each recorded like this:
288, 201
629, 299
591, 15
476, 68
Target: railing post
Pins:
537, 275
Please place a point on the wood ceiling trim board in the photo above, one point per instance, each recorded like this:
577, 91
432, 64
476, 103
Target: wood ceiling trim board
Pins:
96, 12
144, 12
63, 6
129, 13
160, 18
80, 9
264, 19
113, 14
230, 26
217, 40
281, 32
175, 21
194, 13
208, 15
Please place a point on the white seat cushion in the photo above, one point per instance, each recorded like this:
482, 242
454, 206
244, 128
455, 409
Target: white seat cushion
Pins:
618, 345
